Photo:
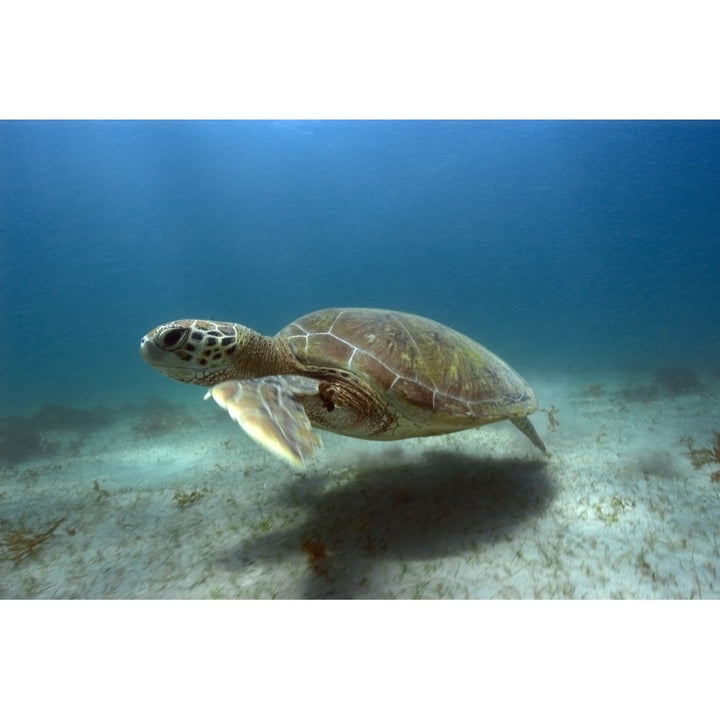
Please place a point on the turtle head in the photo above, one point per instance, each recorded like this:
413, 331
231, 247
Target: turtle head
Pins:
201, 352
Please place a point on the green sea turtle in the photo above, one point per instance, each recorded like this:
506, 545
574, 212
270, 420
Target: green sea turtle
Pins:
374, 374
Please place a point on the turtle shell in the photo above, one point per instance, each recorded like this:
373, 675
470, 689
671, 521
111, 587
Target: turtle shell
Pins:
428, 372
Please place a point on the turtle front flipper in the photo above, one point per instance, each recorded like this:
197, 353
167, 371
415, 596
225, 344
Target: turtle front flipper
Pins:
269, 411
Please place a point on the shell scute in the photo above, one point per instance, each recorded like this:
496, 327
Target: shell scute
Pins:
416, 360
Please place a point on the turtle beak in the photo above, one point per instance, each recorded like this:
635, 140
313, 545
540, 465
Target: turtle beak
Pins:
152, 354
148, 350
167, 363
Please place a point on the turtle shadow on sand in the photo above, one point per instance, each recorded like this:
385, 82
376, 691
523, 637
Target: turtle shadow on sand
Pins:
438, 506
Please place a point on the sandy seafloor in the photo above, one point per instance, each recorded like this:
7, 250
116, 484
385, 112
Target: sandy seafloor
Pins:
617, 510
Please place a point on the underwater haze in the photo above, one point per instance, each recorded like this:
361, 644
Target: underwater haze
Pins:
558, 245
584, 254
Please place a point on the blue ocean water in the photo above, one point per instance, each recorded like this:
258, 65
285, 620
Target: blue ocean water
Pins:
561, 246
585, 254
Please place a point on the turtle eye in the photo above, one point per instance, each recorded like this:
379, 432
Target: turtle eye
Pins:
170, 339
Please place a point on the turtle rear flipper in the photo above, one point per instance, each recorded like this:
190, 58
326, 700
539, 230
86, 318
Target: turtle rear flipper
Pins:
526, 427
269, 411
